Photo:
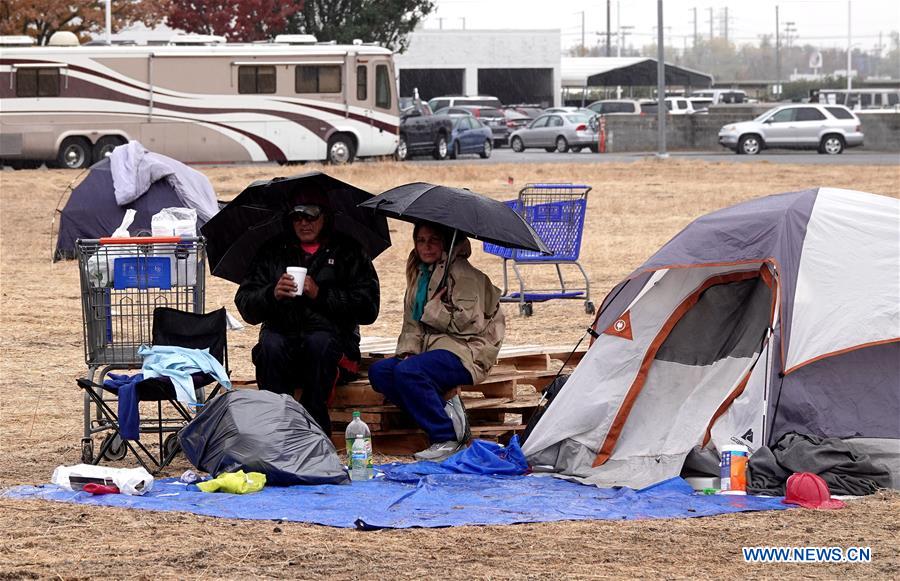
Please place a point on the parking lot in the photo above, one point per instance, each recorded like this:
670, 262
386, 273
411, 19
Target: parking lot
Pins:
507, 155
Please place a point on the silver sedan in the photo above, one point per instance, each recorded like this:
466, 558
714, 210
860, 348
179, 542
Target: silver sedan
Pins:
559, 132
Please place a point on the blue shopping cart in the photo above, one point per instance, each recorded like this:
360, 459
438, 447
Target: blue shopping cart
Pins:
556, 212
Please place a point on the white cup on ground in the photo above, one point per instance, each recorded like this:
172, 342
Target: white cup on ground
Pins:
299, 274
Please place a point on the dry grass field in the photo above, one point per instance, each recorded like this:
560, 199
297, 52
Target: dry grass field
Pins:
633, 209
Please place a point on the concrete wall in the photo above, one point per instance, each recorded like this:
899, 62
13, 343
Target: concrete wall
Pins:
483, 49
701, 132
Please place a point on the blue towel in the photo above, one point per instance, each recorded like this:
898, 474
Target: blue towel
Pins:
178, 363
125, 387
481, 458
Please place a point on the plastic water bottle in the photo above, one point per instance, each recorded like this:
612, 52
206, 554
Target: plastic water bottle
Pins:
359, 448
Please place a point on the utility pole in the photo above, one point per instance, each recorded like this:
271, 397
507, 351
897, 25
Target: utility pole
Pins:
660, 83
849, 52
777, 55
711, 24
608, 31
725, 25
695, 29
582, 33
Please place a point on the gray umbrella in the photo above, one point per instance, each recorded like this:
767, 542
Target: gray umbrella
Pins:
463, 211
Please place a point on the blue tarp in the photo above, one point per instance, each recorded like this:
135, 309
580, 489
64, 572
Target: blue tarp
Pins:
425, 500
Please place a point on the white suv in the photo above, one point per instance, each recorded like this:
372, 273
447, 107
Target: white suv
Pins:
460, 101
827, 128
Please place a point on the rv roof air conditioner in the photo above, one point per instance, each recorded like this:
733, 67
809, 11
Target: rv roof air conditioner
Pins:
63, 38
295, 39
16, 41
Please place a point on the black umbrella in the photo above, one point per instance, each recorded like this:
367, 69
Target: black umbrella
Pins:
464, 211
258, 214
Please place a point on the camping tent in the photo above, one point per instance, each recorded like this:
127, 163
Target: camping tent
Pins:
130, 178
92, 211
781, 314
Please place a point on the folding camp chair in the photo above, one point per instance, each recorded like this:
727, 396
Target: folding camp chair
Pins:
171, 327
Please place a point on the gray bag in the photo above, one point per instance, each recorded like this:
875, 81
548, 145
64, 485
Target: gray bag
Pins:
262, 431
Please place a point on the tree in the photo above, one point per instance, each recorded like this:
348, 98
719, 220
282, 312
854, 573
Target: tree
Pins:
236, 20
386, 22
39, 19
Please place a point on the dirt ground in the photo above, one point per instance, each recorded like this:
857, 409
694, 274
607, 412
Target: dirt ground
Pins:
633, 209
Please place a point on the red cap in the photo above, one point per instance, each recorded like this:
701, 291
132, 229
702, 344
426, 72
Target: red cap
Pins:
809, 491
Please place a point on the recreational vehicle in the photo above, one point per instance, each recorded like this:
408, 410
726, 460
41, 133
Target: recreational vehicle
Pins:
289, 100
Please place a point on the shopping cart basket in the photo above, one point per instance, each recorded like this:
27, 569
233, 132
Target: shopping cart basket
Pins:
556, 212
122, 281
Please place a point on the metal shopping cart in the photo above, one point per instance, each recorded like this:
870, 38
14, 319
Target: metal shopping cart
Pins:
122, 281
556, 212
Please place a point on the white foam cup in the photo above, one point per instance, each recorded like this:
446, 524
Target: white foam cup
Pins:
299, 274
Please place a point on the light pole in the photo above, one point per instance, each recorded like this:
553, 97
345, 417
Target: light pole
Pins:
660, 82
849, 52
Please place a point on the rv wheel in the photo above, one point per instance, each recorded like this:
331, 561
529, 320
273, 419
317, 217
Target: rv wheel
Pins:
340, 150
74, 153
105, 145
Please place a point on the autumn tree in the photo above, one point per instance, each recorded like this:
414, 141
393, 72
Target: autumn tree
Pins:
236, 20
387, 22
39, 19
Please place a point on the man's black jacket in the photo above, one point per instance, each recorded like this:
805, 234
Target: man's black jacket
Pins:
348, 290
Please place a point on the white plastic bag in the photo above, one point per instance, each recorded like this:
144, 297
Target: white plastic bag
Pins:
174, 222
122, 230
131, 481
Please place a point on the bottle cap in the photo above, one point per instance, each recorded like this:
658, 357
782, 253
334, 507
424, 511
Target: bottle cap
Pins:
355, 414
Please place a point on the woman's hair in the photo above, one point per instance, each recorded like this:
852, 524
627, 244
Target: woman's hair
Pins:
442, 231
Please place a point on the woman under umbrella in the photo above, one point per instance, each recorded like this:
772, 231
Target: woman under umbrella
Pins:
452, 330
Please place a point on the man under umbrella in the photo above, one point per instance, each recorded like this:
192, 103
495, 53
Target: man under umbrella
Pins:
305, 338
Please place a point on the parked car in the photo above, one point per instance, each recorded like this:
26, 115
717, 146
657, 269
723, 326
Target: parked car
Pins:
674, 106
616, 107
561, 109
700, 104
516, 120
422, 132
828, 128
490, 116
560, 132
720, 96
531, 111
470, 135
460, 100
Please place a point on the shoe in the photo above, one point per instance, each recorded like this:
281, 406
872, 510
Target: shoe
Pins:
457, 412
439, 451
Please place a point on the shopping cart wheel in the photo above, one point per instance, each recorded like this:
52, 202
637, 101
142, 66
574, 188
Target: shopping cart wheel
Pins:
589, 307
526, 309
116, 450
171, 445
87, 451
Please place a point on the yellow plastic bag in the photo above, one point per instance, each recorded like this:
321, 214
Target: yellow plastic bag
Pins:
235, 482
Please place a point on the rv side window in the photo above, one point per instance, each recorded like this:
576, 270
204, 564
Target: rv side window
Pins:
382, 87
256, 79
317, 79
362, 83
37, 82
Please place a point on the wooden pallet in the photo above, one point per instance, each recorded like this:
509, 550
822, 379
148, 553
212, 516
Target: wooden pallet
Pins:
498, 407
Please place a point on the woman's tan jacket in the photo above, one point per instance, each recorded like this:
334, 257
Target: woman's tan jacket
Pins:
467, 321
